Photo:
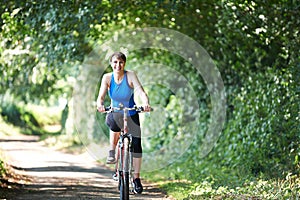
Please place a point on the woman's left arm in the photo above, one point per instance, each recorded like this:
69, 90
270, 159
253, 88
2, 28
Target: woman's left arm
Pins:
135, 83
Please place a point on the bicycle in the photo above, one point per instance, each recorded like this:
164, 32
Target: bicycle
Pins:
124, 156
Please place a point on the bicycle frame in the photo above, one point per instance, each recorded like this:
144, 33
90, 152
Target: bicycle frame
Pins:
124, 156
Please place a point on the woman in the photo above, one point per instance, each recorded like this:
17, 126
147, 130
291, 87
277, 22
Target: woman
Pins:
121, 86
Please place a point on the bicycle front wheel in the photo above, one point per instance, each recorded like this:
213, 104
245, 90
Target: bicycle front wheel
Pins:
124, 169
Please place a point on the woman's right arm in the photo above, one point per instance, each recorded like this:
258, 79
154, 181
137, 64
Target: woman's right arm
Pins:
102, 92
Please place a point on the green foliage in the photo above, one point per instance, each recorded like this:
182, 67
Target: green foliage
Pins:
210, 187
2, 168
2, 171
31, 119
19, 117
263, 134
260, 68
36, 50
260, 189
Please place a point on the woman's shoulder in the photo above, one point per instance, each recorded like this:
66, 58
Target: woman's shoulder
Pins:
130, 73
107, 77
132, 79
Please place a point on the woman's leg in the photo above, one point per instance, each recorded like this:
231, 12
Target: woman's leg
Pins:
137, 162
134, 128
113, 140
113, 136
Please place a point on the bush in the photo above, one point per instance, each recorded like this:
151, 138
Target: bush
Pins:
262, 134
30, 118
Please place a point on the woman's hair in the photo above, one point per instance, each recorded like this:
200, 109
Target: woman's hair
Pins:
118, 55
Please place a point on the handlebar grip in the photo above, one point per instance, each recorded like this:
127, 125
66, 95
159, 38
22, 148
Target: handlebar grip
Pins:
141, 108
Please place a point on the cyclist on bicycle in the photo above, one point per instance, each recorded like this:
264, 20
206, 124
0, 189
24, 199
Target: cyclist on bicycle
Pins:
121, 86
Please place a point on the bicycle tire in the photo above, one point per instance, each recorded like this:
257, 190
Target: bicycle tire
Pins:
121, 186
126, 168
120, 171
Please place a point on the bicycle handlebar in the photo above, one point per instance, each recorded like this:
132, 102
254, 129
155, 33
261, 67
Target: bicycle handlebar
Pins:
136, 108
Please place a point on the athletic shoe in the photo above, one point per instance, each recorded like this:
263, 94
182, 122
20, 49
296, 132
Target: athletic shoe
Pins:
111, 157
115, 176
137, 186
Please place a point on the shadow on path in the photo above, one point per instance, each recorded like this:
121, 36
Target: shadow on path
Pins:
39, 172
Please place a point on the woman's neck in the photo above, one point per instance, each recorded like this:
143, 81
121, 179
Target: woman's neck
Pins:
119, 76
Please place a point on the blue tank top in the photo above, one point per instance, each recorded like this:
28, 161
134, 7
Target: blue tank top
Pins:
121, 93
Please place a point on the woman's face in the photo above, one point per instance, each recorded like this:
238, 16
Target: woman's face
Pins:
117, 64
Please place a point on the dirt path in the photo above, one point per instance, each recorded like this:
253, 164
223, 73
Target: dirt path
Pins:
44, 173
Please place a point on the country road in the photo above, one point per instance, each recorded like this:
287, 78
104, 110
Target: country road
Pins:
45, 173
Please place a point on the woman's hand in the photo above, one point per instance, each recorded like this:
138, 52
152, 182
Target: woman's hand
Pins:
147, 108
101, 108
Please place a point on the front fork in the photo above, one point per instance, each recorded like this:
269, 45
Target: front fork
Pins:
122, 166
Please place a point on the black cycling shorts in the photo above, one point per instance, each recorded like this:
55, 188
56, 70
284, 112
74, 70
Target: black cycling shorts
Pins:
115, 123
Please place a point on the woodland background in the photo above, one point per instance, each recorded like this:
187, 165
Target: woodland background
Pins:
254, 44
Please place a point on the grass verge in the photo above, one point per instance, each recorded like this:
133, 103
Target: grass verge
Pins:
258, 189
